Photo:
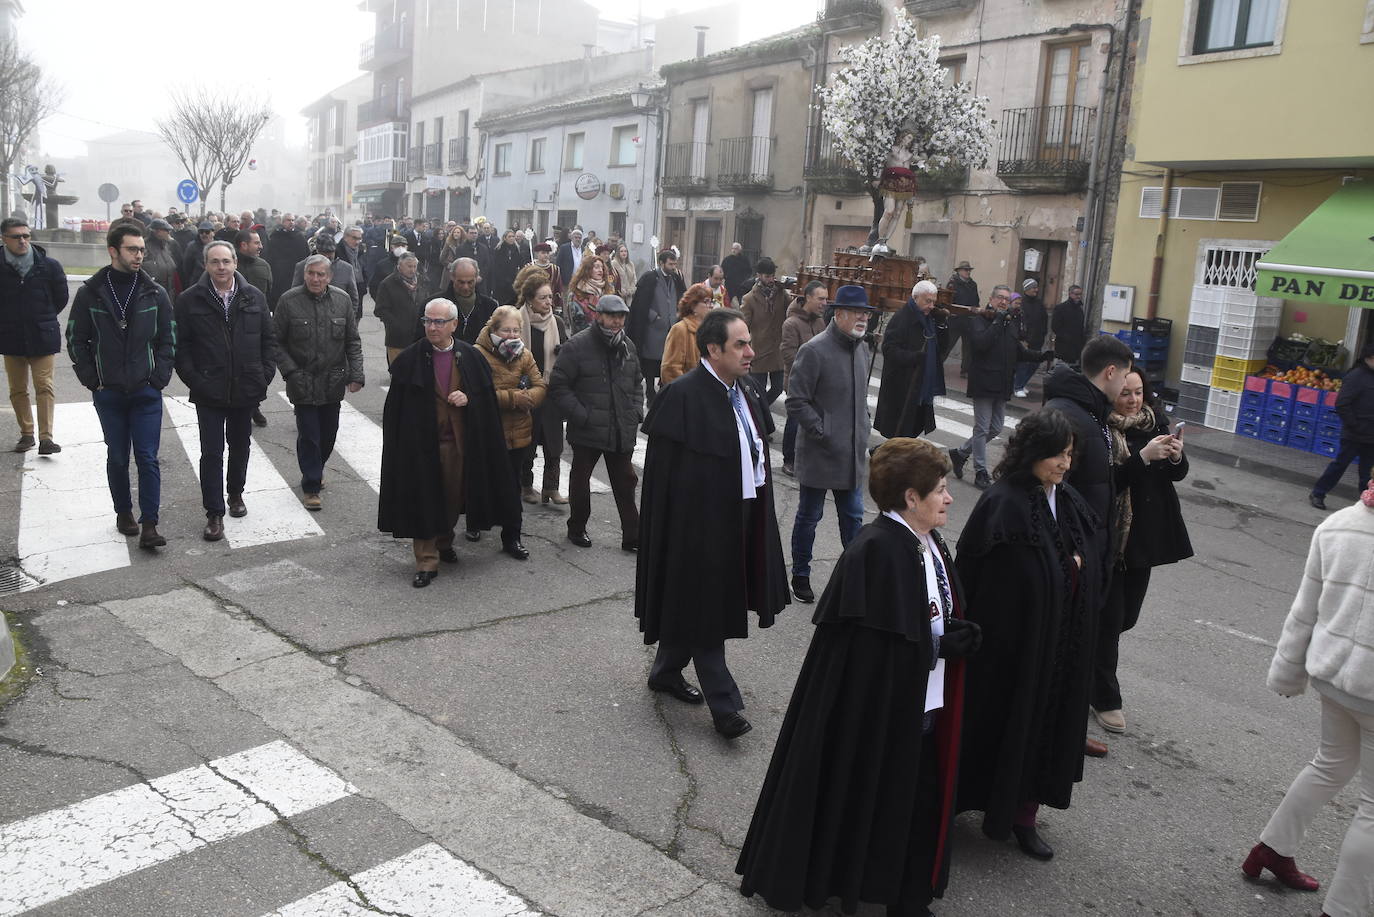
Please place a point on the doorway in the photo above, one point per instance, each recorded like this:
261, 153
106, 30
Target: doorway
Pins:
839, 238
1045, 266
706, 250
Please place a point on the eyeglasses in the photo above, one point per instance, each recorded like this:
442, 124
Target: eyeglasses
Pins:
435, 322
18, 235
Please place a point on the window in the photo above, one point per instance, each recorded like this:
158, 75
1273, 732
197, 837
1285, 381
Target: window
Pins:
675, 233
1233, 201
519, 219
749, 234
706, 252
617, 224
623, 144
572, 152
501, 161
537, 154
954, 69
1062, 126
1230, 25
1229, 264
567, 219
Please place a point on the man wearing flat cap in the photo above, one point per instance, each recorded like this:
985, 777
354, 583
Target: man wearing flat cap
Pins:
597, 385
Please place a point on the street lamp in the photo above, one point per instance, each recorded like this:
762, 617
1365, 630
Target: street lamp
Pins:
640, 97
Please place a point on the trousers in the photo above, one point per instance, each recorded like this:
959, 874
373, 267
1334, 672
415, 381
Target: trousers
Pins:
1125, 597
849, 510
132, 421
19, 369
317, 426
717, 684
621, 470
548, 436
1347, 748
219, 426
1349, 451
987, 426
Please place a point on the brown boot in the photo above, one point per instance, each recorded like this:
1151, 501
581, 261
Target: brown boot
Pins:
554, 497
150, 538
529, 495
125, 523
214, 528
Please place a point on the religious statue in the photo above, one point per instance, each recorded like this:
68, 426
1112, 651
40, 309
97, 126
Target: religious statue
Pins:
898, 182
44, 196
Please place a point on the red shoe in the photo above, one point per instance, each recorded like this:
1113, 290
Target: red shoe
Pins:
1262, 856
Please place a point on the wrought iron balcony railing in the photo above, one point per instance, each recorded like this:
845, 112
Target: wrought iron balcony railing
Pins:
745, 162
825, 169
1046, 148
684, 166
458, 154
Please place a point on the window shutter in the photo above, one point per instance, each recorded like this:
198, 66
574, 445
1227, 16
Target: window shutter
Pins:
1150, 201
1197, 203
1240, 200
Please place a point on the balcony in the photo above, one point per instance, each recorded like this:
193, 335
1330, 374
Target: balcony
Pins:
684, 167
458, 154
389, 46
826, 171
415, 163
1046, 149
745, 163
932, 8
850, 15
380, 172
379, 111
434, 158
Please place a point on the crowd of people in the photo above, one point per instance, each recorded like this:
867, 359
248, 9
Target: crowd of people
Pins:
937, 680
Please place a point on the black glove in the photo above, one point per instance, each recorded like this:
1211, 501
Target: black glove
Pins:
961, 639
1046, 356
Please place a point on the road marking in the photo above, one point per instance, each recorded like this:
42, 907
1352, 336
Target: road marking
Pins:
360, 445
1235, 633
429, 881
66, 519
64, 851
275, 512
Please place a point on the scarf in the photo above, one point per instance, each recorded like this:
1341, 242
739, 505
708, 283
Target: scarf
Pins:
1121, 453
548, 327
590, 288
613, 338
21, 263
410, 284
465, 305
509, 349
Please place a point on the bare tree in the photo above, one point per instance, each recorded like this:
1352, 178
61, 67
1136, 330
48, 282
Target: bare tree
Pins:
213, 136
26, 100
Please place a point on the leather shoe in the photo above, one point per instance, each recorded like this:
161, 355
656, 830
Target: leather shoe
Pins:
236, 507
580, 539
1110, 720
681, 690
448, 556
956, 461
801, 588
632, 546
423, 578
48, 447
258, 419
126, 525
473, 536
150, 537
732, 725
516, 549
214, 528
1094, 749
1317, 500
1028, 839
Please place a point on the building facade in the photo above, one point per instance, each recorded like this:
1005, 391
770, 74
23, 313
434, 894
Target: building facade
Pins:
1210, 188
731, 169
331, 144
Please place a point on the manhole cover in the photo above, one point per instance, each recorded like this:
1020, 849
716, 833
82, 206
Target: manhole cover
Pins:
13, 579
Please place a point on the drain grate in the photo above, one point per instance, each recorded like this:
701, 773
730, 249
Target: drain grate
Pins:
13, 579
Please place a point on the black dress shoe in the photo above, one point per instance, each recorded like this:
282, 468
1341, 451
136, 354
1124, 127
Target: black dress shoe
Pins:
630, 546
681, 690
1028, 839
236, 507
258, 419
732, 725
1317, 500
214, 528
423, 578
801, 588
473, 536
516, 549
957, 460
448, 556
580, 539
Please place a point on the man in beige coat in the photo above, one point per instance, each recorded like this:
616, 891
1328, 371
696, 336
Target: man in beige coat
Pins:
765, 309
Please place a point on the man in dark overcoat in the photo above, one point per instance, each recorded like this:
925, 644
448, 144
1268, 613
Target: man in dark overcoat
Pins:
915, 343
443, 450
709, 550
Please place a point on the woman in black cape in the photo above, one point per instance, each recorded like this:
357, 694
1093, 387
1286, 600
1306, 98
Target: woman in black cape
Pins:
1030, 560
859, 795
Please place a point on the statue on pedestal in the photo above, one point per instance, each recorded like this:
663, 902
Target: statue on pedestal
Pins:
44, 196
897, 182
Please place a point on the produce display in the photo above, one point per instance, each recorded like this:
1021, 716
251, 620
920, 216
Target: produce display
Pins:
1302, 375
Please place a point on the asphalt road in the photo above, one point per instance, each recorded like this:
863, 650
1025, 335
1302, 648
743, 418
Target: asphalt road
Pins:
243, 730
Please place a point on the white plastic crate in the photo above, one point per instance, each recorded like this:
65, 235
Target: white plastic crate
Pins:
1261, 312
1206, 306
1198, 375
1223, 410
1244, 341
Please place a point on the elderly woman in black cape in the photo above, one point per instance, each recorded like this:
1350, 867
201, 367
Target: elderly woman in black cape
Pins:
860, 792
1035, 584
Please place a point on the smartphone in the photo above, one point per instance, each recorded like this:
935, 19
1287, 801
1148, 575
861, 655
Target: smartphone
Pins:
1178, 428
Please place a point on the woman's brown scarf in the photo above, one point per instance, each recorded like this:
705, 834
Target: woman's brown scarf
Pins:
1121, 453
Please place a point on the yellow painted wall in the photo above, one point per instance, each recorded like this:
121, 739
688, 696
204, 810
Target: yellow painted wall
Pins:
1311, 101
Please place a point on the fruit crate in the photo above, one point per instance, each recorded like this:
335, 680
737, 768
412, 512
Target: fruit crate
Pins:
1153, 327
1276, 435
1285, 354
1200, 346
1326, 446
1302, 426
1247, 308
1280, 397
1196, 373
1303, 441
1249, 428
1192, 402
1329, 426
1276, 419
1229, 373
1245, 342
1223, 409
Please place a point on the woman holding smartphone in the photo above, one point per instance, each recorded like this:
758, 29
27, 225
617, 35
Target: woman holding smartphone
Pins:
1150, 531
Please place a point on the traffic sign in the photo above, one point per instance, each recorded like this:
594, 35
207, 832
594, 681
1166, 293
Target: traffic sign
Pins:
188, 191
108, 193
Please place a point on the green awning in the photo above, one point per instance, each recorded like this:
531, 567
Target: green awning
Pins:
368, 196
1328, 257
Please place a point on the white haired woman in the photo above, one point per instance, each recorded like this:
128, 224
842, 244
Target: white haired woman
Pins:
915, 344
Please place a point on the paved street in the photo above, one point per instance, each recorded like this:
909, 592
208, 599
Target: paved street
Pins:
279, 724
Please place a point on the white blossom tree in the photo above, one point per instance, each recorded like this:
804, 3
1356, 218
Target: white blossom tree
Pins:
894, 82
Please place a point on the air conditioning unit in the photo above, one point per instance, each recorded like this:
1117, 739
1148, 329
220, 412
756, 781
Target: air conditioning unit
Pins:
616, 191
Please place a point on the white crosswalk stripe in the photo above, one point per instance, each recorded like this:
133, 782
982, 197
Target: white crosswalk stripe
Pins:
63, 851
276, 513
429, 881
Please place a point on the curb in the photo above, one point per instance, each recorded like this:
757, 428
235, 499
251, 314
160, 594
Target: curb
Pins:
7, 657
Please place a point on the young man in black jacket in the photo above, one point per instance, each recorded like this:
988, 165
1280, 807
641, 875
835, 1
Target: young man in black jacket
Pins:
226, 355
1355, 408
121, 337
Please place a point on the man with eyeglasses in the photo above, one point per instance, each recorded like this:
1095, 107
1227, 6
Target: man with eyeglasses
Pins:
319, 355
121, 337
443, 452
126, 211
193, 261
33, 290
140, 214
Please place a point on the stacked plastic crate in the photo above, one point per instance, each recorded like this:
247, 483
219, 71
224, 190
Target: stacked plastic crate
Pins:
1229, 331
1289, 415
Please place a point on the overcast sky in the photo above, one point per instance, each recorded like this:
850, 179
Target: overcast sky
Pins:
117, 62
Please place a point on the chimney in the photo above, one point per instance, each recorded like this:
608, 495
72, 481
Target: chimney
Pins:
701, 39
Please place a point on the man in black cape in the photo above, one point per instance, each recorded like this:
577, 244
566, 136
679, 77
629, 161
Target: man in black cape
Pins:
709, 549
430, 477
915, 343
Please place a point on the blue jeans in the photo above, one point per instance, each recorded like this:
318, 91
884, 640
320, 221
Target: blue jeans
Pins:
789, 440
988, 414
217, 427
1024, 372
317, 425
132, 421
1349, 452
849, 506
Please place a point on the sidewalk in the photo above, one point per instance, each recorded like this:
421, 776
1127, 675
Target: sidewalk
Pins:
1290, 466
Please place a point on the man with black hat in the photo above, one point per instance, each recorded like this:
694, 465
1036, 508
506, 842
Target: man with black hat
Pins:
286, 246
322, 243
182, 232
1035, 322
965, 290
163, 260
597, 385
193, 261
827, 391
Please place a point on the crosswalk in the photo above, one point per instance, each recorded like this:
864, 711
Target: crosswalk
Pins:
104, 839
66, 526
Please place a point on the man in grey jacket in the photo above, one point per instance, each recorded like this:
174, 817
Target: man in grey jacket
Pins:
827, 393
319, 355
341, 273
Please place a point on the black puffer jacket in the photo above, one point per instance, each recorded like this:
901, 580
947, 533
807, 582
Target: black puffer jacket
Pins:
1158, 533
1355, 404
600, 390
102, 355
1087, 408
29, 307
995, 352
225, 363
